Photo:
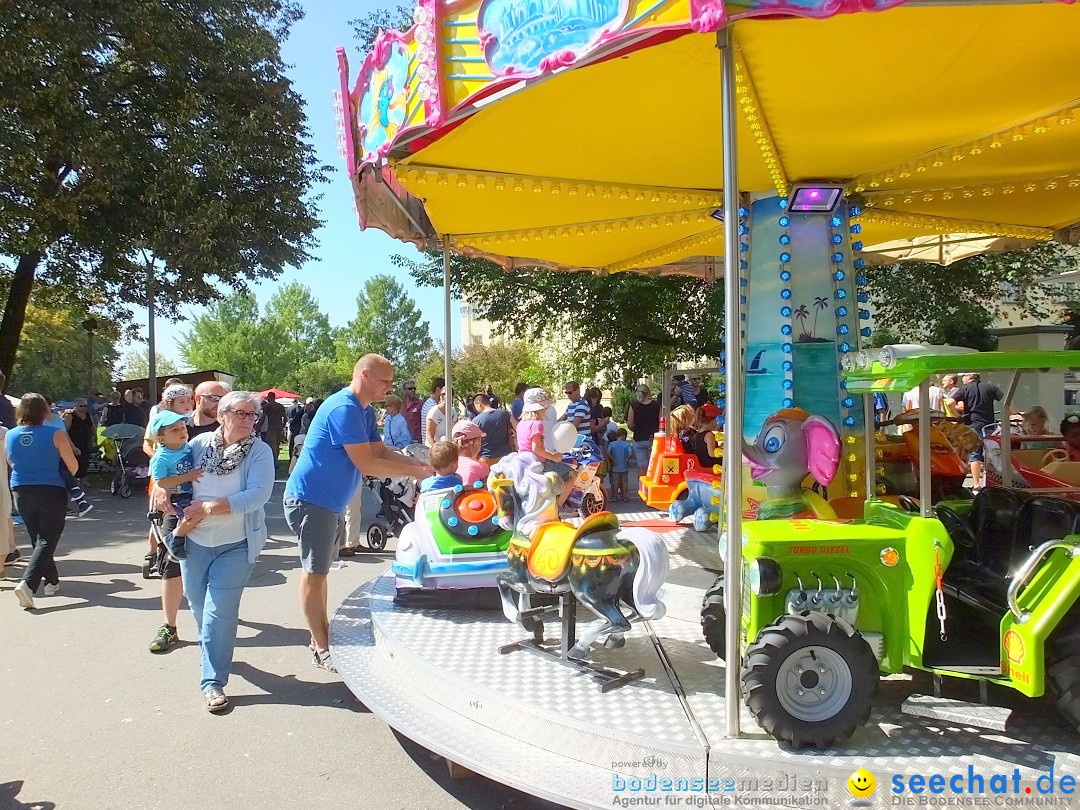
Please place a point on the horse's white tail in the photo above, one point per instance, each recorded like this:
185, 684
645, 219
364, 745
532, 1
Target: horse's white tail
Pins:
652, 570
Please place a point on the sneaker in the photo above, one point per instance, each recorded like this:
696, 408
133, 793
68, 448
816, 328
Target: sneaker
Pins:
52, 590
26, 597
77, 494
165, 638
85, 507
323, 660
17, 520
13, 557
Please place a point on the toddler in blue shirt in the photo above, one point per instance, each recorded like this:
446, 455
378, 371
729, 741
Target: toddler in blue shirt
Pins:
173, 468
444, 458
619, 456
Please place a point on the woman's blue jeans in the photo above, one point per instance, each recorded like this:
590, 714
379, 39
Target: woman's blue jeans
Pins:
214, 580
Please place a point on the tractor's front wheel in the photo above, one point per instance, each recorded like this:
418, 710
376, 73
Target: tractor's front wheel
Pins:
1063, 665
810, 679
714, 618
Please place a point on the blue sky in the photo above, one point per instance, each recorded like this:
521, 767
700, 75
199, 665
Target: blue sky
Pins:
346, 256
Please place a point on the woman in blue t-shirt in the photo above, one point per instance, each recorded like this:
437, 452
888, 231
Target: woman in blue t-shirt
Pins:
35, 451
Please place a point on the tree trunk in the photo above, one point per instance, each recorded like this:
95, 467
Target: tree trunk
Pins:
15, 310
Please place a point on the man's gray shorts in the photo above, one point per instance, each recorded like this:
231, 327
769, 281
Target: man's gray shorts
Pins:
320, 531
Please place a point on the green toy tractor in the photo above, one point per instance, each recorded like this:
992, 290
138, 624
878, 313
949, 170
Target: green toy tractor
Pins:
984, 589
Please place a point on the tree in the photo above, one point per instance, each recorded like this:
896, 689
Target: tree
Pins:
54, 355
227, 338
502, 365
622, 325
139, 134
135, 365
298, 332
387, 322
314, 379
959, 304
367, 27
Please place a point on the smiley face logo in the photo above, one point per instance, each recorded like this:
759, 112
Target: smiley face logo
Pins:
862, 783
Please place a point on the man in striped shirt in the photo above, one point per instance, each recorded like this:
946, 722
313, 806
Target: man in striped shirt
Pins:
578, 412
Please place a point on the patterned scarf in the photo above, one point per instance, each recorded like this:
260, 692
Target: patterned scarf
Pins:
222, 460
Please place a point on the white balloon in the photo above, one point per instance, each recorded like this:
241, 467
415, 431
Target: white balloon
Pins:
565, 437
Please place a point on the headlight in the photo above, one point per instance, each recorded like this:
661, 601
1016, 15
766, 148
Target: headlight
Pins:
862, 359
764, 577
847, 362
887, 357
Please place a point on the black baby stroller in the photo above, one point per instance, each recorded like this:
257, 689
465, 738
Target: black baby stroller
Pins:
132, 464
397, 497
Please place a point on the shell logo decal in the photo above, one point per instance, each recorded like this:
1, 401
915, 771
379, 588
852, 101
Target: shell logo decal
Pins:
1014, 647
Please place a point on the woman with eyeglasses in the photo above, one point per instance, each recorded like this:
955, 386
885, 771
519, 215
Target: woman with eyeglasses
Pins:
225, 529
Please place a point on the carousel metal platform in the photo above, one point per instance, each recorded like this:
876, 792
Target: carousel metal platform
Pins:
437, 676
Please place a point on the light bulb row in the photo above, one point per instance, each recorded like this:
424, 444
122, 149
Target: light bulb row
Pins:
423, 176
938, 158
675, 249
747, 99
1066, 181
787, 365
946, 225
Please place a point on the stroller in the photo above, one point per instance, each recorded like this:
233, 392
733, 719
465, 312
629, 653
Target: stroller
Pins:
132, 463
398, 499
154, 564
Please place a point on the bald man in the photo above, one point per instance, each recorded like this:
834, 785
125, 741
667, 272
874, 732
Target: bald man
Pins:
342, 444
207, 396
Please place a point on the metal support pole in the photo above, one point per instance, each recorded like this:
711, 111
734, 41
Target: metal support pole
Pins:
447, 335
151, 355
926, 509
90, 364
1006, 432
869, 453
733, 371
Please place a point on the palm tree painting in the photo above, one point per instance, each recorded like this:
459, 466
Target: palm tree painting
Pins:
801, 313
819, 305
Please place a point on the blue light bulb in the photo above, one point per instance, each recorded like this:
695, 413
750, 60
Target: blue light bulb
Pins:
720, 420
849, 402
866, 331
473, 530
786, 348
785, 275
452, 521
838, 257
785, 329
785, 293
864, 297
743, 212
783, 202
837, 239
836, 222
841, 293
860, 264
788, 402
743, 230
861, 281
743, 264
849, 420
785, 239
787, 365
864, 314
842, 329
843, 383
723, 354
838, 275
788, 385
856, 228
841, 312
785, 257
743, 247
446, 503
742, 299
784, 222
458, 487
785, 312
854, 211
856, 245
844, 347
743, 282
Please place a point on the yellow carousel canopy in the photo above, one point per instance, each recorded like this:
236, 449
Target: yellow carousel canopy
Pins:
586, 133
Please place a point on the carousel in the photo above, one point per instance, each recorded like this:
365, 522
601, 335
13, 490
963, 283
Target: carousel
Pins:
781, 149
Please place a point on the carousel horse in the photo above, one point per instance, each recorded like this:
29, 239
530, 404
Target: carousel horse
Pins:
599, 562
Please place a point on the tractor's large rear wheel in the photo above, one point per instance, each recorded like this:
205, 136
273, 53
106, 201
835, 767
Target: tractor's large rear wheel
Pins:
809, 680
714, 618
1063, 665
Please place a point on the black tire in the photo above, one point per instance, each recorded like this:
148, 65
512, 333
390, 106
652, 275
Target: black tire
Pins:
848, 686
714, 618
376, 537
591, 505
147, 569
1063, 665
125, 490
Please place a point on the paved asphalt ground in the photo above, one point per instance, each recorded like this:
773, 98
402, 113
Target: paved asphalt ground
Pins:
92, 719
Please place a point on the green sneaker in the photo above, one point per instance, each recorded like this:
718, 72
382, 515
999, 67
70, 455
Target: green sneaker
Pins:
165, 638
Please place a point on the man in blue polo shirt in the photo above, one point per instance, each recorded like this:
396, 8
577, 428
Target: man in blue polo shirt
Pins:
342, 440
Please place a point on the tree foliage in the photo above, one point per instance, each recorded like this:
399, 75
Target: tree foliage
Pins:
314, 379
54, 355
620, 326
295, 330
958, 304
367, 27
149, 132
227, 338
387, 322
135, 365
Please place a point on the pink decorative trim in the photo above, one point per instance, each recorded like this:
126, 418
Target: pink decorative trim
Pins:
707, 16
346, 110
